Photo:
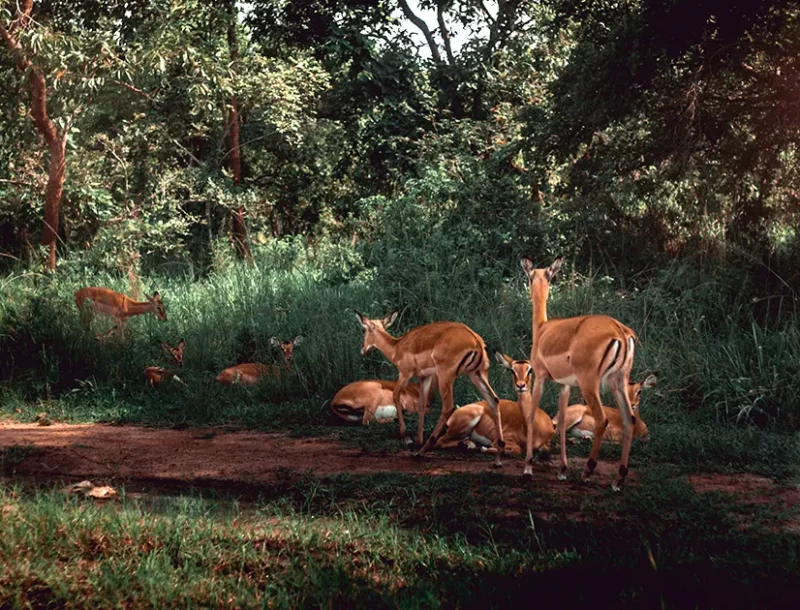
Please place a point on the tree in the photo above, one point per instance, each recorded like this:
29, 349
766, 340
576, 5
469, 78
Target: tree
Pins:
54, 139
239, 235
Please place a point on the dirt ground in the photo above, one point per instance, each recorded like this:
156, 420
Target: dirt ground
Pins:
156, 456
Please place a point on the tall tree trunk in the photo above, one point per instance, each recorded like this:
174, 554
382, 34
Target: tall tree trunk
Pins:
239, 236
56, 142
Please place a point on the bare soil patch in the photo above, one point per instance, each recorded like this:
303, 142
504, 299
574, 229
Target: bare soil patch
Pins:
132, 454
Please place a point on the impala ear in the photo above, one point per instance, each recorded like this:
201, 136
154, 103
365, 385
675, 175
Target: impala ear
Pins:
156, 296
527, 266
389, 320
554, 268
273, 341
181, 344
297, 340
362, 319
503, 359
650, 380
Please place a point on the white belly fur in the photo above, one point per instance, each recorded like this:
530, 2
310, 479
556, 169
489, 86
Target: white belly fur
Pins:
571, 380
386, 412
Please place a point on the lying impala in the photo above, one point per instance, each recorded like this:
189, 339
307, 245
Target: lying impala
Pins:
249, 374
435, 353
587, 351
473, 423
364, 401
159, 374
580, 422
118, 306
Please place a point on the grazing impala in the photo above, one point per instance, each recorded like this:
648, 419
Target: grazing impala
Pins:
251, 373
118, 306
473, 423
159, 374
435, 353
581, 424
367, 400
586, 351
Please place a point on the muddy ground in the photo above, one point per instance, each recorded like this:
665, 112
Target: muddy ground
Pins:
140, 456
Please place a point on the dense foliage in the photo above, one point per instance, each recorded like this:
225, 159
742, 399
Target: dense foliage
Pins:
375, 171
614, 131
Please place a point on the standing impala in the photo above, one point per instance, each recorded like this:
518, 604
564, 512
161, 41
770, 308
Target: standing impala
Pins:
585, 351
373, 399
251, 373
435, 353
118, 306
473, 423
580, 422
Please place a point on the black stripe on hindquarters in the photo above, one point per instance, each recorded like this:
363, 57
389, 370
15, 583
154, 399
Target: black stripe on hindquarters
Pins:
463, 364
340, 412
478, 362
605, 355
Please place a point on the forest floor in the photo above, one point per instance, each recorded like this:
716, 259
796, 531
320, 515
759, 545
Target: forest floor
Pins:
238, 461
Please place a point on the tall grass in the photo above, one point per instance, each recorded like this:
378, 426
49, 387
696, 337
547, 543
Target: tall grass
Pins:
718, 365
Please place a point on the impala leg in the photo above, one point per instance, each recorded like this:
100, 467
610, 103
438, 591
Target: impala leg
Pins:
628, 421
402, 382
424, 395
368, 416
446, 392
592, 396
453, 437
482, 383
563, 403
536, 398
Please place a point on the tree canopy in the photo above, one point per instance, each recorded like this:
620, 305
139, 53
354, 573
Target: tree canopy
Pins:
633, 129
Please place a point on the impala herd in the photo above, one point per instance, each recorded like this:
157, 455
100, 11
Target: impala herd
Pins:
584, 351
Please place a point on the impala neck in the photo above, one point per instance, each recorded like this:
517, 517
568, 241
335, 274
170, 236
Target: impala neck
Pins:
540, 290
136, 308
386, 344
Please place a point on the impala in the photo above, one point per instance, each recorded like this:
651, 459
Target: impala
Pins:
473, 423
118, 306
581, 424
434, 353
367, 400
251, 373
584, 351
159, 374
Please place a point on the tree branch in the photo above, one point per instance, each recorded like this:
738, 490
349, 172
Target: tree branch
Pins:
486, 12
23, 16
130, 87
445, 33
422, 26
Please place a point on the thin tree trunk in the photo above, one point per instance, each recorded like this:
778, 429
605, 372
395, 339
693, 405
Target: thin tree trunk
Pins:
239, 236
56, 142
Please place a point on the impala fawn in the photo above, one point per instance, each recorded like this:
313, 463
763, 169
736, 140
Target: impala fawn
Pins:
118, 306
472, 424
250, 373
158, 374
368, 400
580, 422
